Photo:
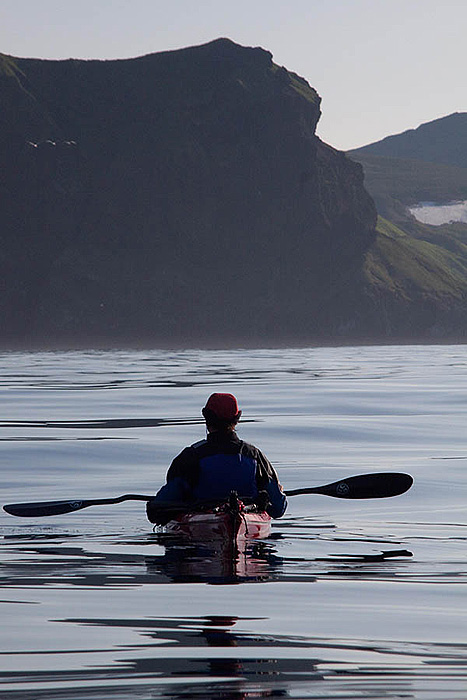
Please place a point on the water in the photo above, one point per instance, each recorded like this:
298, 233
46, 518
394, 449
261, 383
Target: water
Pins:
438, 214
96, 606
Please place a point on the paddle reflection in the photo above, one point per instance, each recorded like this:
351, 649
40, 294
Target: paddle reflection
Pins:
57, 561
52, 561
218, 661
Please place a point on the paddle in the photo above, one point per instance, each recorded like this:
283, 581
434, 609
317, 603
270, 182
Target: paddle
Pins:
35, 510
382, 485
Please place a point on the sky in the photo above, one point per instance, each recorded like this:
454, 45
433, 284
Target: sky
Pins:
380, 66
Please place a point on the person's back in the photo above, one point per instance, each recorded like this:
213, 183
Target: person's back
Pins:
212, 468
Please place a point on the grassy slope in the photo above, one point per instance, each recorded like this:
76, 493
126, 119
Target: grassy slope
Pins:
7, 66
408, 267
397, 183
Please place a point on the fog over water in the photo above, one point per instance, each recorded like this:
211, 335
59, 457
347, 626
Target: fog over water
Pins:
346, 599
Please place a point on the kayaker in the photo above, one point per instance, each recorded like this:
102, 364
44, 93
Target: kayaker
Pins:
212, 468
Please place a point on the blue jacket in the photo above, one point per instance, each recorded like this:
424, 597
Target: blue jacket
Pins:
212, 468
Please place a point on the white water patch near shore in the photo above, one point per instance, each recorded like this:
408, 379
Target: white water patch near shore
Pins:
438, 214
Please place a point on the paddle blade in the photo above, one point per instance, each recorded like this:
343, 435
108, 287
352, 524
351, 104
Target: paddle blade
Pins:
35, 510
380, 485
38, 510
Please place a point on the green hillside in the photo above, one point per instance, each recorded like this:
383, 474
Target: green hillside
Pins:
405, 265
398, 174
418, 287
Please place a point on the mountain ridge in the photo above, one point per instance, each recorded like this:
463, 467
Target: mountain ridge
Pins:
141, 192
442, 140
184, 199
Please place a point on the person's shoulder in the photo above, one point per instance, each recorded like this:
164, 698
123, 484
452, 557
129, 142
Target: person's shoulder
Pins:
198, 445
188, 454
192, 448
250, 449
187, 459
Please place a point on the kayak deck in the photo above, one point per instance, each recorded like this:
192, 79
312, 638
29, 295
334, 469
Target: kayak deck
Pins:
230, 521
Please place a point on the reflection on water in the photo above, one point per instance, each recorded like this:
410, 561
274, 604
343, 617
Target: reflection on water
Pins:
173, 657
63, 565
56, 561
111, 424
343, 600
148, 656
214, 649
221, 657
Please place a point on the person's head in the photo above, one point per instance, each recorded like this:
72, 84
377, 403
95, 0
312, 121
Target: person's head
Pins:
221, 412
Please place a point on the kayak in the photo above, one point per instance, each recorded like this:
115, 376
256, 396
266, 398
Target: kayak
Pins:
221, 525
230, 522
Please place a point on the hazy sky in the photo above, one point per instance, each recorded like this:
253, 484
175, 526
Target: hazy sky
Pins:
380, 66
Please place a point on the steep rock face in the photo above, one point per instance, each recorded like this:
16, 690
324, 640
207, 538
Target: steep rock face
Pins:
175, 198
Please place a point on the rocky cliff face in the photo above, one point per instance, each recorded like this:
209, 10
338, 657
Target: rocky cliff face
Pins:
177, 198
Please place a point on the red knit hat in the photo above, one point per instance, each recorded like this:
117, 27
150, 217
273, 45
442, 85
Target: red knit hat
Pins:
224, 406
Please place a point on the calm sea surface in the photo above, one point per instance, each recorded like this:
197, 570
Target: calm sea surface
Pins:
96, 606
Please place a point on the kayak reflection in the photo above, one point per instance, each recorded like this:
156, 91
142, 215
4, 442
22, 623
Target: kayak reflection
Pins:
57, 561
213, 657
63, 560
216, 562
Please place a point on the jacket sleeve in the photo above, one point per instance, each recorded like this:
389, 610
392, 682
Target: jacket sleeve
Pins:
268, 481
177, 489
158, 508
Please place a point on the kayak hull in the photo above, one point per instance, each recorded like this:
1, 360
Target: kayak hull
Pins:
221, 525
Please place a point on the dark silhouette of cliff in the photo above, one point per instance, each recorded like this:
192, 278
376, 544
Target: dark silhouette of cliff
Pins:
442, 141
180, 198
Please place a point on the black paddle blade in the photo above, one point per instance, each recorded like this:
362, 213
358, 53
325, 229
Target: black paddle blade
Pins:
34, 510
380, 485
38, 510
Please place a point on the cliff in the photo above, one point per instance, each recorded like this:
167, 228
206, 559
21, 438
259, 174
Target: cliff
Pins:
176, 198
183, 198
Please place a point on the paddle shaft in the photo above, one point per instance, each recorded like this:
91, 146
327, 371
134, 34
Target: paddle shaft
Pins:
380, 485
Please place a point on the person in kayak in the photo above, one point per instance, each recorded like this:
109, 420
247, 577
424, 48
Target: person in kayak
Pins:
212, 468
